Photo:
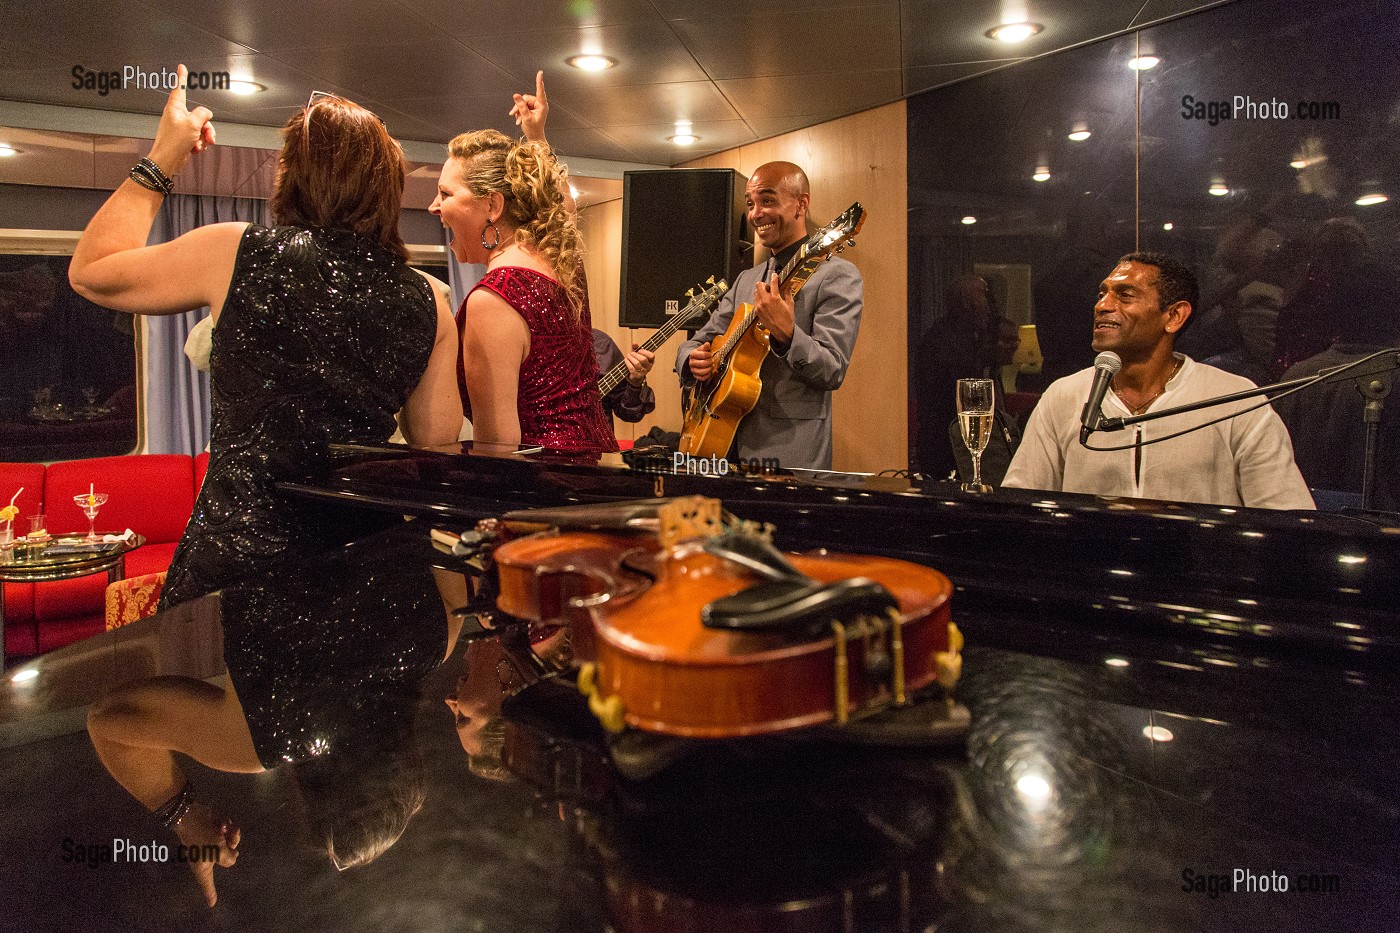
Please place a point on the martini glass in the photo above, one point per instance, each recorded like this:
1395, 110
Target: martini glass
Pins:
90, 502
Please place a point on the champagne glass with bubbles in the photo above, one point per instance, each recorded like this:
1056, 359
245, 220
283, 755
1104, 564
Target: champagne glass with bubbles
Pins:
975, 404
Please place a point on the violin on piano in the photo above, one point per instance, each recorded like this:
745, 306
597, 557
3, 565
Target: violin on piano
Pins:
688, 622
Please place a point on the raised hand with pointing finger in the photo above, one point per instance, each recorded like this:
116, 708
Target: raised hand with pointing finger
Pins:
531, 110
182, 132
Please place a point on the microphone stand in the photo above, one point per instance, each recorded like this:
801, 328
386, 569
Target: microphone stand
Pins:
1374, 391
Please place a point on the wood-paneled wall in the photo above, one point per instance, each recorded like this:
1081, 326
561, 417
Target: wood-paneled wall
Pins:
856, 158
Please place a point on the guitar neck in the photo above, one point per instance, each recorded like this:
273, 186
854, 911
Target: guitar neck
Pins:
618, 373
792, 277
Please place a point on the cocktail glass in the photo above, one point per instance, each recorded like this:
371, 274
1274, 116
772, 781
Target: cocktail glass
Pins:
90, 502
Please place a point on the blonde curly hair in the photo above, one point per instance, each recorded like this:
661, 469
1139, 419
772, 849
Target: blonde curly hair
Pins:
533, 183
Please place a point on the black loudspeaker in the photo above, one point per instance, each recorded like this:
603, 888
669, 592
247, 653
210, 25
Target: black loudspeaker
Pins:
679, 227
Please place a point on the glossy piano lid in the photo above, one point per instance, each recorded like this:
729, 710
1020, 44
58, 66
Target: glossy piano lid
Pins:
1104, 762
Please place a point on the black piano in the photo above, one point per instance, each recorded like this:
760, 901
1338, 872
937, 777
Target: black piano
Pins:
1180, 720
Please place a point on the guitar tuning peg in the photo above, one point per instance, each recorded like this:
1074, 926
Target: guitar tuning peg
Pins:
690, 293
710, 280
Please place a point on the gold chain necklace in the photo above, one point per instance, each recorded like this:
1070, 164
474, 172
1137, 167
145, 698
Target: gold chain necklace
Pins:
1142, 407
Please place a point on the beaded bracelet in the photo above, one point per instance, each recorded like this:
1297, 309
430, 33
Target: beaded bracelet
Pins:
149, 176
173, 810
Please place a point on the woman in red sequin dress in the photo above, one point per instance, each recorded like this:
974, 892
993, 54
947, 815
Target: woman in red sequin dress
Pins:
527, 373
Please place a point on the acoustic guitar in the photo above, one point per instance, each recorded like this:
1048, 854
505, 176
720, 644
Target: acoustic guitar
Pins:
689, 623
699, 304
719, 404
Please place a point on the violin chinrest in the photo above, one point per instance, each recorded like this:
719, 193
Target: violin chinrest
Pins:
798, 605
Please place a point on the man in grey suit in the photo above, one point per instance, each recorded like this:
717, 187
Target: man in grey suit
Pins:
812, 338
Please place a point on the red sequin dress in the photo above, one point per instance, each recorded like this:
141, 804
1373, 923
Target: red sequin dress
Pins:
558, 401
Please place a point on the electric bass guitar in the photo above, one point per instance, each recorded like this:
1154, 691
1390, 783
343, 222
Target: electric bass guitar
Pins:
721, 402
699, 304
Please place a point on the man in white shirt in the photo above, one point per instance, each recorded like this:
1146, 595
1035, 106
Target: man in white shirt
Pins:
1246, 460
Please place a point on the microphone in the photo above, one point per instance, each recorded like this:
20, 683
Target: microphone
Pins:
1106, 366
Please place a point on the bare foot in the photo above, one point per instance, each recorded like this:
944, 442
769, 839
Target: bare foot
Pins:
207, 840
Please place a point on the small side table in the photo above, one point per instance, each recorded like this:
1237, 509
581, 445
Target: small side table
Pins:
61, 558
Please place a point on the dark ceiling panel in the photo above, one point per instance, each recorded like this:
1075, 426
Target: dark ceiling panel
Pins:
931, 76
102, 34
435, 67
936, 32
379, 71
646, 53
696, 101
705, 9
799, 95
498, 17
277, 25
846, 37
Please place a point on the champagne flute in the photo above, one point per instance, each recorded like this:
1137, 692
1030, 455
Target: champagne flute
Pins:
90, 502
975, 404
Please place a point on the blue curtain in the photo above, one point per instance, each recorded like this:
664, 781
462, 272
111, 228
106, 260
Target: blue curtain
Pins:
177, 394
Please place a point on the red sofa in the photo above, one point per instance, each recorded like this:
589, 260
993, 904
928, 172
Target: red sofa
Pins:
152, 494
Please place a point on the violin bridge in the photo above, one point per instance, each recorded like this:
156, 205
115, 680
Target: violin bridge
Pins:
689, 518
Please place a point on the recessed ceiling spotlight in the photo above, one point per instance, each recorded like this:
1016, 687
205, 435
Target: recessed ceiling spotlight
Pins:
684, 139
1218, 188
1298, 163
6, 150
969, 220
1042, 173
1158, 733
1080, 132
1167, 225
25, 676
1366, 200
239, 86
591, 62
1014, 32
1144, 62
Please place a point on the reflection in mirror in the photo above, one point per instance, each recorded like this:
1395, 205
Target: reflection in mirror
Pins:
1267, 164
68, 388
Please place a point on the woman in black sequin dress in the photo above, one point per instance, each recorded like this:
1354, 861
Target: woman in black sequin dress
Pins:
324, 333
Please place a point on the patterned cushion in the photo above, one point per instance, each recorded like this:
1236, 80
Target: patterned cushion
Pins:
133, 598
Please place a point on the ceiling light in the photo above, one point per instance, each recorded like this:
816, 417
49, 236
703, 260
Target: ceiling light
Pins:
1080, 132
1014, 32
1167, 225
591, 62
684, 139
1116, 662
1042, 173
239, 86
1144, 62
573, 192
1158, 733
1298, 163
1366, 200
1218, 188
969, 220
6, 150
25, 676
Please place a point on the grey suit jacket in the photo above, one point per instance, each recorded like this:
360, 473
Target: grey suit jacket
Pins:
792, 420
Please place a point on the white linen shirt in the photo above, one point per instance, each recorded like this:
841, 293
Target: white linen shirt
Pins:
1247, 460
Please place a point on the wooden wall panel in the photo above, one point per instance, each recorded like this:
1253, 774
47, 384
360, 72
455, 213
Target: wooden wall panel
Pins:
856, 158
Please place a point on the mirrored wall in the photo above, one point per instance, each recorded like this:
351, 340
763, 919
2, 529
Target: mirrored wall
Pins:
1259, 141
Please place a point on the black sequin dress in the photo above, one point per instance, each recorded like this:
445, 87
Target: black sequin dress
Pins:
322, 337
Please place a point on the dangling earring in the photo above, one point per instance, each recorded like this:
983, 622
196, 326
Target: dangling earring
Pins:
496, 232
